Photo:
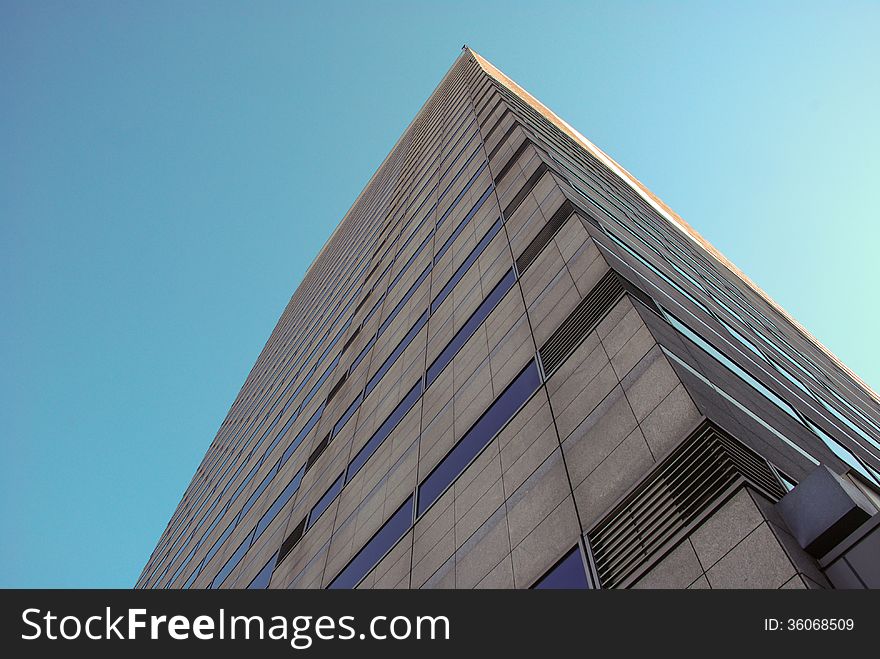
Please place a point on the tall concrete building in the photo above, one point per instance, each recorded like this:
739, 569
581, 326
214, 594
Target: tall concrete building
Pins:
513, 366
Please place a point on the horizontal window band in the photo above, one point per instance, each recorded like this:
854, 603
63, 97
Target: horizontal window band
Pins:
510, 131
568, 572
466, 264
513, 160
478, 437
525, 190
324, 502
495, 126
581, 322
379, 545
461, 225
470, 326
544, 236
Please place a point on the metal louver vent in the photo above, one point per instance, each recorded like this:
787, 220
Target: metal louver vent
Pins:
545, 235
672, 500
580, 322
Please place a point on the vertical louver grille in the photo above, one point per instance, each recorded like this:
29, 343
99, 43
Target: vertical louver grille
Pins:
545, 235
581, 322
672, 500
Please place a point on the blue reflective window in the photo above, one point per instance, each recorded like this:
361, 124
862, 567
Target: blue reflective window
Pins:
392, 531
183, 564
568, 573
452, 160
463, 268
192, 577
232, 562
413, 234
404, 343
480, 434
302, 433
463, 223
261, 581
373, 310
384, 430
404, 300
216, 521
279, 502
299, 387
269, 432
733, 366
321, 380
470, 326
219, 543
245, 481
361, 355
849, 424
461, 170
409, 261
843, 453
348, 414
252, 499
325, 501
462, 193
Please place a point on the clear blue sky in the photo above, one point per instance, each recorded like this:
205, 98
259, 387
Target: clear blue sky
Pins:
168, 170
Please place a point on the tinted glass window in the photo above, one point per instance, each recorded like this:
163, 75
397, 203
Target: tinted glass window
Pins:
470, 326
568, 573
325, 501
261, 581
480, 434
392, 531
384, 430
278, 504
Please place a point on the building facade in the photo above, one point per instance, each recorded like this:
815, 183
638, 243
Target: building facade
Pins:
512, 366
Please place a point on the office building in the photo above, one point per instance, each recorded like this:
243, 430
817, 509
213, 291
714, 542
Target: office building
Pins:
513, 366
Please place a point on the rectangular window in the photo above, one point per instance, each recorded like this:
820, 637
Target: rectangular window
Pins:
348, 414
361, 355
479, 436
302, 434
404, 343
569, 573
261, 581
463, 224
384, 430
279, 503
404, 300
470, 326
465, 266
252, 499
461, 194
325, 501
232, 562
219, 543
379, 545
